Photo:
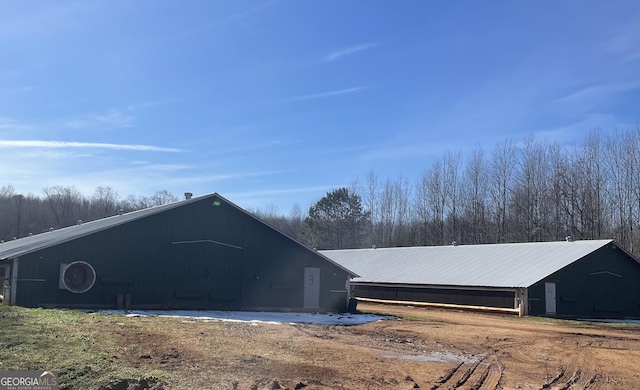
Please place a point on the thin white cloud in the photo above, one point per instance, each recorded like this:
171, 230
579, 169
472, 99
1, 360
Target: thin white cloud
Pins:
9, 124
599, 91
625, 42
280, 191
203, 28
323, 95
349, 50
112, 118
574, 132
87, 145
15, 90
244, 14
151, 103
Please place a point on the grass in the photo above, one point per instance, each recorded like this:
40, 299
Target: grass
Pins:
73, 343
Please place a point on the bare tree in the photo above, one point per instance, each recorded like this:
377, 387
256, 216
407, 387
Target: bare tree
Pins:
162, 197
633, 140
474, 197
296, 223
433, 183
451, 188
621, 149
65, 203
371, 199
559, 166
394, 211
530, 203
504, 159
104, 202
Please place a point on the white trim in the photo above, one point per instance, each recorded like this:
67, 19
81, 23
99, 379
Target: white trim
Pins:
605, 273
211, 241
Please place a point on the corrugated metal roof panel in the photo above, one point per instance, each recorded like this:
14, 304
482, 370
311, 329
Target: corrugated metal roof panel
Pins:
489, 265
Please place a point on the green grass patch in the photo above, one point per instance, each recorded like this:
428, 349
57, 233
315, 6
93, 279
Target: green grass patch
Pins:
78, 345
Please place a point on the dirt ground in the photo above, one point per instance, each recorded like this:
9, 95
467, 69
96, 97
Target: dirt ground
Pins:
428, 349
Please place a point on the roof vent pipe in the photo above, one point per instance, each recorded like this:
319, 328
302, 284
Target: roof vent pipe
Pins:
188, 195
569, 238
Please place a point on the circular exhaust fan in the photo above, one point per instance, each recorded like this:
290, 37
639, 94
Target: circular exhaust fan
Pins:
79, 277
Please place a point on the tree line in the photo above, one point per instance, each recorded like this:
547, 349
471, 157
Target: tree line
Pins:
59, 206
517, 192
532, 190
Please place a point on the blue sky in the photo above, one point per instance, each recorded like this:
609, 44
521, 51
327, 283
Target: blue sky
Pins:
272, 103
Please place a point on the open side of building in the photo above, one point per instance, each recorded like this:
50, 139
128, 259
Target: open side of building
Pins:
573, 279
200, 253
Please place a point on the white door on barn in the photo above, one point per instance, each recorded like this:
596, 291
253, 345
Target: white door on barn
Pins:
311, 288
550, 297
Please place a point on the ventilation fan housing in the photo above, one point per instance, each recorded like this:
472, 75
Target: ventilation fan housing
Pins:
77, 277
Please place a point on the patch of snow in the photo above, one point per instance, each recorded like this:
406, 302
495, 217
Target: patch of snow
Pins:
442, 357
257, 317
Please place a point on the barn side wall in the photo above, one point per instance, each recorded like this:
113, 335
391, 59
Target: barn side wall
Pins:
459, 296
603, 284
202, 255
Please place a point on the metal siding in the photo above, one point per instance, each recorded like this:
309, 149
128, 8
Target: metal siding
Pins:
202, 255
588, 288
139, 258
274, 272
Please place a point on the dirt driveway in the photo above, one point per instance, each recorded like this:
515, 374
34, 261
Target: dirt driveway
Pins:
429, 349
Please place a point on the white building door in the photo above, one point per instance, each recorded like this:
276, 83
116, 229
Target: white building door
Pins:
311, 288
550, 297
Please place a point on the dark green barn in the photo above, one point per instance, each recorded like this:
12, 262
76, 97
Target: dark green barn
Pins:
576, 279
199, 253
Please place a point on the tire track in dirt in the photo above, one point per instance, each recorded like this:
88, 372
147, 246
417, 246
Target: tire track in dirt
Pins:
493, 378
479, 375
573, 379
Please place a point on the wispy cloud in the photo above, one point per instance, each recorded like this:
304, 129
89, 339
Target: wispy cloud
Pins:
151, 103
244, 14
573, 133
47, 21
205, 27
323, 95
116, 117
586, 99
349, 50
12, 124
599, 91
14, 90
279, 191
112, 118
625, 42
86, 145
338, 150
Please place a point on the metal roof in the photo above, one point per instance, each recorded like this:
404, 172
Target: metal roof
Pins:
488, 265
26, 245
